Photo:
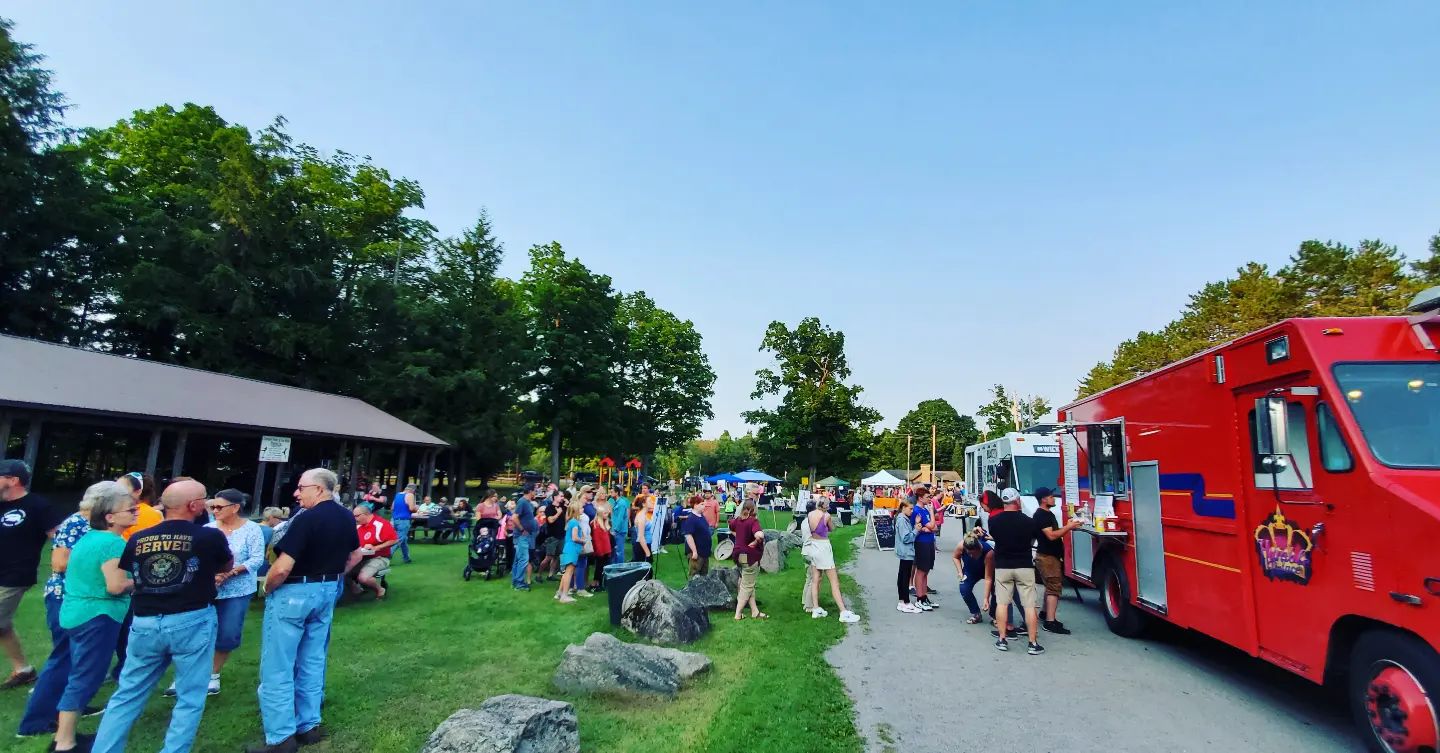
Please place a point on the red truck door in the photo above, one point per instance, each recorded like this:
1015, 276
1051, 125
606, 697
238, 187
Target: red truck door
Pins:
1293, 528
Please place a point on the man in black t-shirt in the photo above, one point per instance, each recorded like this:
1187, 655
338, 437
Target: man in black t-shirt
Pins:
26, 521
698, 544
553, 536
173, 565
1014, 533
318, 549
1050, 556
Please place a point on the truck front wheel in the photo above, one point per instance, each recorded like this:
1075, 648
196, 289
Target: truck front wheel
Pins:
1120, 615
1394, 690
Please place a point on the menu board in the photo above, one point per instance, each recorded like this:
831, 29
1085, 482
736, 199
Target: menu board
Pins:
884, 528
1071, 458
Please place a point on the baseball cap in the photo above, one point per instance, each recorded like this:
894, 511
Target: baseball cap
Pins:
1009, 495
1044, 492
17, 468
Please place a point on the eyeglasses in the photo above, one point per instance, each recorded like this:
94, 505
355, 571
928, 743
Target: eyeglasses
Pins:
197, 499
220, 506
298, 487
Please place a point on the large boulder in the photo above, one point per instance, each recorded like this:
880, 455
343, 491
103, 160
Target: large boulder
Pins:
654, 611
730, 576
508, 724
772, 558
710, 591
606, 664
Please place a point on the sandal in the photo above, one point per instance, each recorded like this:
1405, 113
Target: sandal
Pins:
739, 617
762, 616
974, 620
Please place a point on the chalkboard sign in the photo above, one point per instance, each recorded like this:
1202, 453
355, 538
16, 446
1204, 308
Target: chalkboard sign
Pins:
884, 528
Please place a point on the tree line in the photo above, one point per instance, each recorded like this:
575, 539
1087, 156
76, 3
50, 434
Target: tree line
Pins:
177, 236
1322, 278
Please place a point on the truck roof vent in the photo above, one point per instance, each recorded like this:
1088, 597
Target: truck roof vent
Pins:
1425, 301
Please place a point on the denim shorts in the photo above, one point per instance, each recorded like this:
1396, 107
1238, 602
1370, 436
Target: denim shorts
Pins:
230, 621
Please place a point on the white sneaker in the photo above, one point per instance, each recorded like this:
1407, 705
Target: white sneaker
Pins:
214, 687
170, 691
584, 594
907, 608
849, 616
818, 613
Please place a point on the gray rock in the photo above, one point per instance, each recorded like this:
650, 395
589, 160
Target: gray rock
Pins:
772, 558
606, 664
709, 591
508, 724
730, 576
654, 611
772, 534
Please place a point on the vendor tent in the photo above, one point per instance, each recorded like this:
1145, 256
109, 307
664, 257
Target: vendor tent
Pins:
883, 478
757, 476
728, 478
833, 482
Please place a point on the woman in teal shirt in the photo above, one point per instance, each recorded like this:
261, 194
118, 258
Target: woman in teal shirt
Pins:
97, 595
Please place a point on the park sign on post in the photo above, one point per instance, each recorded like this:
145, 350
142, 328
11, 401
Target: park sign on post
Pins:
274, 449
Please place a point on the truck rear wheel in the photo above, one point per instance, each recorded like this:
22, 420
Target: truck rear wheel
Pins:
1120, 615
1394, 692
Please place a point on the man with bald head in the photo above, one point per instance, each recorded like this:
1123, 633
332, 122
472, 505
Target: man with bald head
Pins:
174, 566
311, 560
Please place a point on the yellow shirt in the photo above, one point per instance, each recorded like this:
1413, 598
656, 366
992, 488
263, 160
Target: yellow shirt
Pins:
145, 517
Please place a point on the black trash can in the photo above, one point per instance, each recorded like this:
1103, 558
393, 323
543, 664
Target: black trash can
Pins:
618, 581
845, 516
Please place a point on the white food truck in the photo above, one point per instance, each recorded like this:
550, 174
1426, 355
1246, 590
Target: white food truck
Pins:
1025, 460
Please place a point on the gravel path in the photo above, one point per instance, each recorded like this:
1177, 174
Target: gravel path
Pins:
929, 682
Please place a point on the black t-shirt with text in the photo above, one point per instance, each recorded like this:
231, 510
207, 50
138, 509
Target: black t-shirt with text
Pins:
1046, 519
320, 540
174, 566
25, 523
1013, 533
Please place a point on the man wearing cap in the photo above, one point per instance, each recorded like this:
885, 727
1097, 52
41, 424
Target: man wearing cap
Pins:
311, 561
1014, 533
1050, 556
26, 521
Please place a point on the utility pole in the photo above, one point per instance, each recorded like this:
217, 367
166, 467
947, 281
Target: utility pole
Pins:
932, 454
907, 458
396, 279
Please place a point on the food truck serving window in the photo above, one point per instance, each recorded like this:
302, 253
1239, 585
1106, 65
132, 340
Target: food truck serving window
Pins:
1105, 444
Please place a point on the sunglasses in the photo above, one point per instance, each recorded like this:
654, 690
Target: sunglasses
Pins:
220, 506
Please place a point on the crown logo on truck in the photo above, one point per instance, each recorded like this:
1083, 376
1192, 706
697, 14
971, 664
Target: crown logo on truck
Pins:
1284, 550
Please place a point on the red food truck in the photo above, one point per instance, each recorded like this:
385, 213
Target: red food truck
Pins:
1280, 493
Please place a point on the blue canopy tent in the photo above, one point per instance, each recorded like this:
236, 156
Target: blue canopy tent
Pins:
728, 478
757, 476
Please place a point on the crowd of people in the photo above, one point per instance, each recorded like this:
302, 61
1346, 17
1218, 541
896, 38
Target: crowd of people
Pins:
142, 579
141, 582
1016, 561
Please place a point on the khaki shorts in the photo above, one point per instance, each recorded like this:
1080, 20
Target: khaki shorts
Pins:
747, 584
371, 567
1051, 572
9, 603
819, 554
1008, 579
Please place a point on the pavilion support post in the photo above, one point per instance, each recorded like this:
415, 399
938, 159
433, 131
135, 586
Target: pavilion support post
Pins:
4, 432
427, 469
400, 477
177, 463
152, 457
32, 441
355, 471
256, 499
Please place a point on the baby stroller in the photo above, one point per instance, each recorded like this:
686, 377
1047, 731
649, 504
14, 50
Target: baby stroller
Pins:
486, 553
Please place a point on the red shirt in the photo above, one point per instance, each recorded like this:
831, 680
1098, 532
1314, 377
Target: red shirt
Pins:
379, 530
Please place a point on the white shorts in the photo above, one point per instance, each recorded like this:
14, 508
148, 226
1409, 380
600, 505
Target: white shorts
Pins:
819, 554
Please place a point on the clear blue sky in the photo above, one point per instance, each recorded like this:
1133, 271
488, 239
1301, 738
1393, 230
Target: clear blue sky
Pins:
973, 192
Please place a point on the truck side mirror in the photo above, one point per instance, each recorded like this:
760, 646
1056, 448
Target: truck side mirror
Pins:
1272, 426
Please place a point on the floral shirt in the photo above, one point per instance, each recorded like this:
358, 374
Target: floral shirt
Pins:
66, 536
247, 546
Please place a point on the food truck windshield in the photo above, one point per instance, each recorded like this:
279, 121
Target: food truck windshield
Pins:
1033, 472
1397, 406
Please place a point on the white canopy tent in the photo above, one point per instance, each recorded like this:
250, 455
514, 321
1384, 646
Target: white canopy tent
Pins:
882, 478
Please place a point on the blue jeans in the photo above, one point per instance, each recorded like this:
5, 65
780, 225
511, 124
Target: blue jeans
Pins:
617, 557
52, 620
967, 592
230, 618
523, 544
72, 675
188, 640
402, 532
292, 658
582, 570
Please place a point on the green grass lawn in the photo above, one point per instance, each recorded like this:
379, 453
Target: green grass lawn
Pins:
437, 643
